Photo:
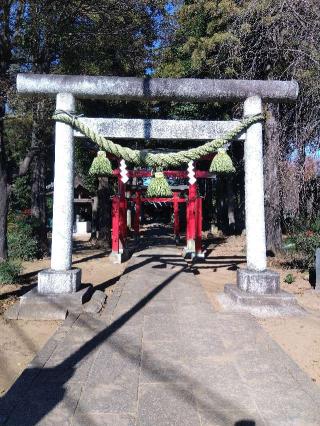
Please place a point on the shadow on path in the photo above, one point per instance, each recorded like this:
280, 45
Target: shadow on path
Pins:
41, 400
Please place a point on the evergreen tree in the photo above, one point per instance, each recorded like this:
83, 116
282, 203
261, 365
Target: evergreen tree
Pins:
257, 39
106, 37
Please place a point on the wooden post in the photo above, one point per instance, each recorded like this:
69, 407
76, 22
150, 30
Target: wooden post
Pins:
176, 226
122, 215
199, 226
191, 219
115, 224
137, 215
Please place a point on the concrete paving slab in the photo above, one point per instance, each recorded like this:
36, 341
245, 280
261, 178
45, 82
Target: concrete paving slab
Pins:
164, 307
103, 419
108, 399
163, 405
158, 354
161, 327
47, 405
214, 416
120, 368
36, 306
162, 362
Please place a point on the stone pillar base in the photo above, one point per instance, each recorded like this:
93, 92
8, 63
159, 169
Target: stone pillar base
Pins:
259, 293
190, 249
118, 258
281, 298
264, 282
38, 306
193, 255
59, 282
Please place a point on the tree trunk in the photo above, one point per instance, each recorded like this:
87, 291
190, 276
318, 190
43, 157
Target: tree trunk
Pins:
4, 198
38, 187
272, 157
300, 180
104, 216
38, 199
94, 219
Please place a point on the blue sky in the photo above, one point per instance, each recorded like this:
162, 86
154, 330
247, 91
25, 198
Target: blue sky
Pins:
170, 9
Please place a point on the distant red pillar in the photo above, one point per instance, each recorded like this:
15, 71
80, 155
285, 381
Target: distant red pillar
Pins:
137, 215
122, 215
191, 219
176, 226
199, 226
115, 224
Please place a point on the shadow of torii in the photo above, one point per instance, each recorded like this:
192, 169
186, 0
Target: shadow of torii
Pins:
33, 414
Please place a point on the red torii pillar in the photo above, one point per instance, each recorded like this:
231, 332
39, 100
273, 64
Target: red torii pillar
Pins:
194, 223
199, 252
119, 223
194, 215
137, 215
191, 219
176, 225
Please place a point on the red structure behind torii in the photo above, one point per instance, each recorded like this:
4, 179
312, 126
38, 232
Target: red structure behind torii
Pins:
193, 211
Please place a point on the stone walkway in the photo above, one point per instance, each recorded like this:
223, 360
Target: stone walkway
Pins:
159, 355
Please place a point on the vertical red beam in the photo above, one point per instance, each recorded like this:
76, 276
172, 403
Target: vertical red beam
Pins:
191, 234
125, 224
188, 214
199, 225
115, 224
176, 226
122, 213
137, 214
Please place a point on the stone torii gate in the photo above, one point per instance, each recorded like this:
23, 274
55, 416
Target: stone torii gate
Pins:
59, 287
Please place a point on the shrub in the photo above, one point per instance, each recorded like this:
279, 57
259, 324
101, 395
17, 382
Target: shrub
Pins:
304, 239
22, 244
289, 279
9, 271
306, 244
21, 194
315, 225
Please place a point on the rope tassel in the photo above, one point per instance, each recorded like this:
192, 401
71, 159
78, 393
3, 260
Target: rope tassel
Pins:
222, 163
101, 165
159, 186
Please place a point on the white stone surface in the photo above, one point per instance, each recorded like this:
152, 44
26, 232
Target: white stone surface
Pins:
82, 228
59, 282
129, 219
254, 189
61, 254
187, 89
130, 128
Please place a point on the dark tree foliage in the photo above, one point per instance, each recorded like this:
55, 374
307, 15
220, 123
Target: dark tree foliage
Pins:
258, 39
106, 37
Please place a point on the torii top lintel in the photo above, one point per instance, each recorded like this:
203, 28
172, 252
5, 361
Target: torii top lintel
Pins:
133, 88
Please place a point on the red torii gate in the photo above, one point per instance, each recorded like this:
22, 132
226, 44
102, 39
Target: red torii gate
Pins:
193, 211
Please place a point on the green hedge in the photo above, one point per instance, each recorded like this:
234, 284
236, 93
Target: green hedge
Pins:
305, 239
9, 271
22, 244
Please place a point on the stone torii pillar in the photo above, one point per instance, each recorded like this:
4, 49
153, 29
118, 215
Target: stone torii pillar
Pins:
256, 285
58, 289
255, 279
61, 278
254, 189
